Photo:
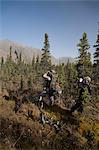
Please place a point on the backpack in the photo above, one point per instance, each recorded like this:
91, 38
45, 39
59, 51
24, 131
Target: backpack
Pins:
55, 86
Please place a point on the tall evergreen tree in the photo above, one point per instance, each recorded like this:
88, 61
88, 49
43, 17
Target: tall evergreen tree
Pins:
96, 60
96, 54
46, 58
84, 59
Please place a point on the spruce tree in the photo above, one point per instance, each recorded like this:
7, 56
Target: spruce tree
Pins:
20, 57
21, 83
96, 55
2, 62
9, 65
46, 58
96, 67
61, 73
84, 60
70, 79
37, 64
10, 56
33, 62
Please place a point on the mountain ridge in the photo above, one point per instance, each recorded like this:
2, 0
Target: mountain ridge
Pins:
27, 52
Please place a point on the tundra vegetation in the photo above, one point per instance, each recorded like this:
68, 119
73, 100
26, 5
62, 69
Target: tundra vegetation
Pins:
22, 82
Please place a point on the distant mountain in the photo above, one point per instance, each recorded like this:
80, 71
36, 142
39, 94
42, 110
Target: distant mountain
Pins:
65, 60
27, 52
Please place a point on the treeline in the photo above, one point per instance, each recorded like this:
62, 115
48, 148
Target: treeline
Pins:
18, 74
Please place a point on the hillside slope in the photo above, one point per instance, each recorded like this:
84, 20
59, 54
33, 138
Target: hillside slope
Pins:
21, 131
27, 52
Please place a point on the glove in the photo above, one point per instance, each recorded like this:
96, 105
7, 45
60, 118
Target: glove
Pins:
48, 78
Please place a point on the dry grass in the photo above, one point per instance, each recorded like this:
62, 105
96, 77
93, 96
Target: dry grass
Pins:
44, 137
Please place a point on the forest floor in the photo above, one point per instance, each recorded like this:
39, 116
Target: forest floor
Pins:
60, 131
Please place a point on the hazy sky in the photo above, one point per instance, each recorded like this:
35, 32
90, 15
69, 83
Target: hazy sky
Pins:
26, 21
